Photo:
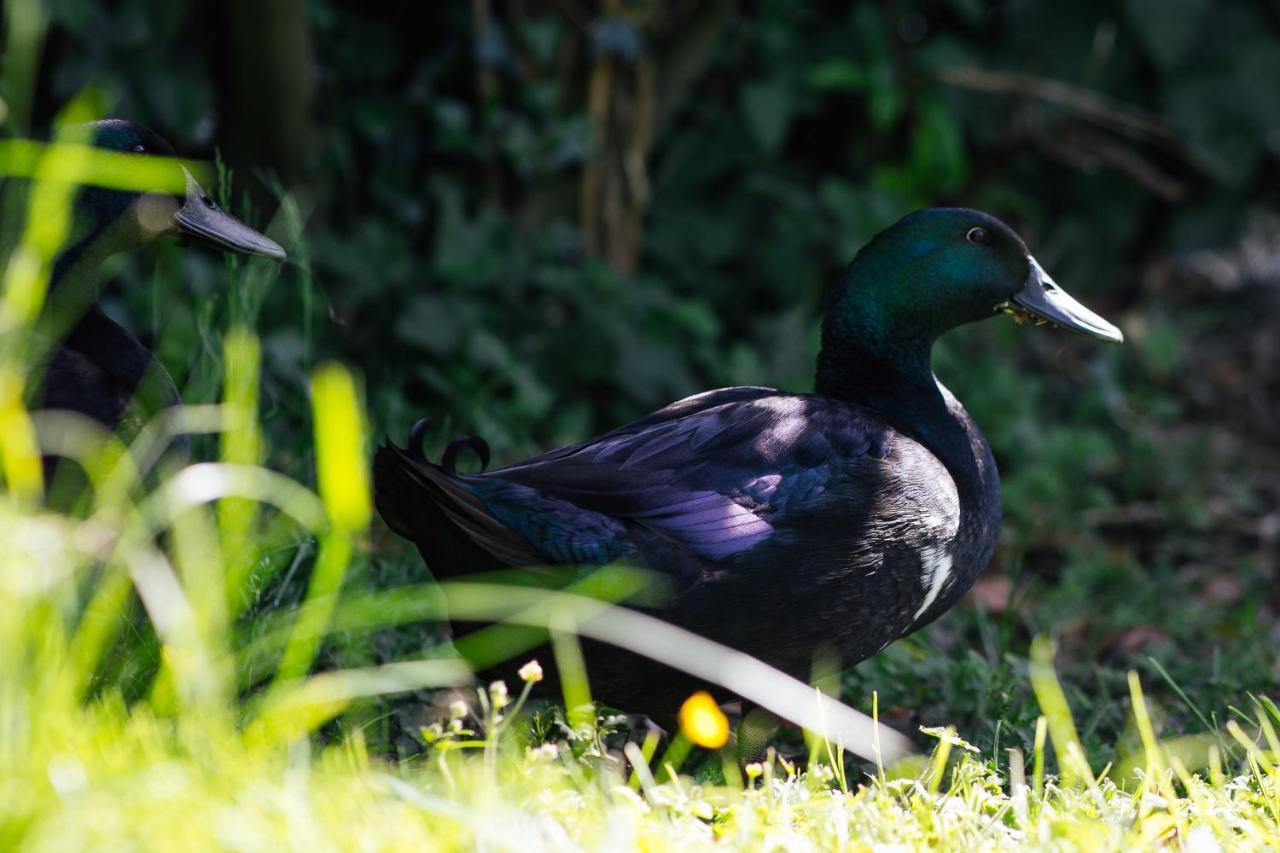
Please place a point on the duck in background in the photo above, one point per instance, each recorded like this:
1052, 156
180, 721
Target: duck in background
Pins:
97, 368
784, 524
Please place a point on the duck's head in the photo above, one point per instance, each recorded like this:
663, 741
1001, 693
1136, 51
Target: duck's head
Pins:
942, 267
119, 220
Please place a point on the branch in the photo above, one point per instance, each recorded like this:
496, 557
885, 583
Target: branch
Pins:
1085, 103
1086, 150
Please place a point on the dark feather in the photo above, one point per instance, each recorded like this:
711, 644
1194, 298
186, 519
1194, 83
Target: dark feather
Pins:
455, 532
713, 472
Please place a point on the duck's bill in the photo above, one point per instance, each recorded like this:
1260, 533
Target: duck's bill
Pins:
202, 220
1042, 301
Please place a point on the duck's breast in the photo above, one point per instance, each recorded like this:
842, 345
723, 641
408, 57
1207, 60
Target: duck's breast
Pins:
864, 565
913, 527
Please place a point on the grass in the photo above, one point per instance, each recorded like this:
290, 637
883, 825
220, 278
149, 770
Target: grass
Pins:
200, 658
191, 766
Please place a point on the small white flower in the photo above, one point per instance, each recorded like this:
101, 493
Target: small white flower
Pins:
498, 695
531, 672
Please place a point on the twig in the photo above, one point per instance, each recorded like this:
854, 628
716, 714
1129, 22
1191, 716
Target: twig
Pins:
1086, 150
685, 54
599, 92
519, 19
574, 12
1083, 102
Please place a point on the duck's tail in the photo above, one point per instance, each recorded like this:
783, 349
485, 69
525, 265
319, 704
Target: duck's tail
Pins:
431, 506
449, 460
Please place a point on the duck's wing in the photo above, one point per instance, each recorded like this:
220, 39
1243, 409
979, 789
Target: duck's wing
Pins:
680, 409
713, 474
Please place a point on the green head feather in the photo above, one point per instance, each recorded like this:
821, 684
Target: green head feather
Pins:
932, 271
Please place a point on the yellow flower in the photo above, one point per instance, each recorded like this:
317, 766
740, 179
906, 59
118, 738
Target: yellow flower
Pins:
530, 672
703, 722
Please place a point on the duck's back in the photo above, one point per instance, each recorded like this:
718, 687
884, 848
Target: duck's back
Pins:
711, 475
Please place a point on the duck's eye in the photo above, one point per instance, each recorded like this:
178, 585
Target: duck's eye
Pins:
138, 149
977, 235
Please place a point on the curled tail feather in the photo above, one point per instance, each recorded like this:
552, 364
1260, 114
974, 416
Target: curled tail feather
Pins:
432, 507
449, 460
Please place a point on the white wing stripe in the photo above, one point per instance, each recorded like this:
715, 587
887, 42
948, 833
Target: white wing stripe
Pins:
937, 569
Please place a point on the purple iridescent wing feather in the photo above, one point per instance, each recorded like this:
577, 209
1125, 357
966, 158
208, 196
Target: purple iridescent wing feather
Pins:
714, 473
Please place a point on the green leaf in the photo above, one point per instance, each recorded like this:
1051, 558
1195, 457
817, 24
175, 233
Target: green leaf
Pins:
1166, 28
938, 160
768, 108
839, 75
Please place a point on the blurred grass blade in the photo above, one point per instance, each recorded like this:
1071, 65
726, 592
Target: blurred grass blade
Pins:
211, 481
293, 213
294, 710
48, 223
267, 636
241, 445
683, 650
343, 480
19, 449
72, 161
938, 763
342, 472
1153, 755
573, 674
1037, 760
674, 757
1073, 768
613, 584
26, 279
148, 448
364, 611
199, 558
25, 22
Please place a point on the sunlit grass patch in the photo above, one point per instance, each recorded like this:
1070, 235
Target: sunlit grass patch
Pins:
111, 777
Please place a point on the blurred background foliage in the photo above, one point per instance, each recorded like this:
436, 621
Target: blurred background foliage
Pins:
533, 220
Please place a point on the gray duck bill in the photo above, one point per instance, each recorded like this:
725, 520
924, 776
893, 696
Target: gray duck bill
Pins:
1042, 301
202, 220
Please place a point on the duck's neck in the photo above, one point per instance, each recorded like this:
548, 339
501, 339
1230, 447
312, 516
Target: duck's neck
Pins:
862, 361
75, 318
73, 282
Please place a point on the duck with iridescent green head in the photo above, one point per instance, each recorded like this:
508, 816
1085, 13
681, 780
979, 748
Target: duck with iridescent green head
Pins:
785, 525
